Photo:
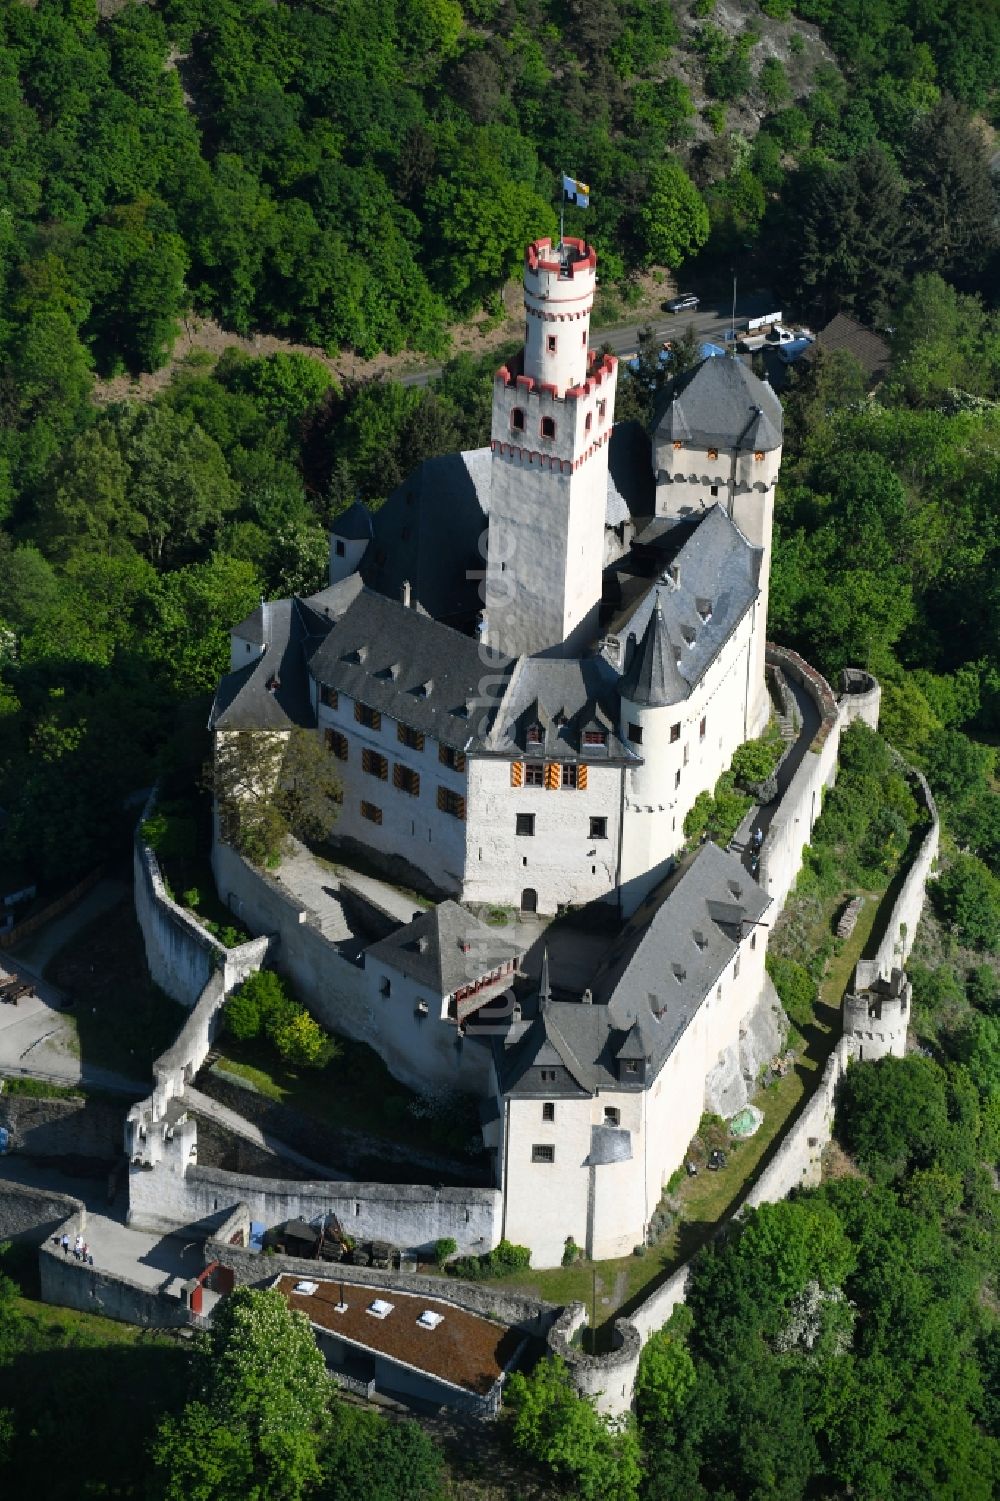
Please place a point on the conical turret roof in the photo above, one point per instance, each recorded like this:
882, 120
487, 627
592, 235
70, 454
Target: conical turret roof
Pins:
652, 678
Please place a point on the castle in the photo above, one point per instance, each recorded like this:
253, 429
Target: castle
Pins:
528, 664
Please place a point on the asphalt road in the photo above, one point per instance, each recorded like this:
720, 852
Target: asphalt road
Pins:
710, 322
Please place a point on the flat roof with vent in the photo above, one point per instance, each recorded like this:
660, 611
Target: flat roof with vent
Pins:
427, 1334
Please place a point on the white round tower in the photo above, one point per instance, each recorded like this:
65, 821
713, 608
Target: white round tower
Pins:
559, 283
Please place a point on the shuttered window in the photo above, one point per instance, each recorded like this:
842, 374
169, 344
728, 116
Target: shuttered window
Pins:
375, 765
553, 775
581, 778
569, 775
517, 773
369, 811
405, 779
329, 697
450, 802
453, 758
413, 738
336, 744
370, 718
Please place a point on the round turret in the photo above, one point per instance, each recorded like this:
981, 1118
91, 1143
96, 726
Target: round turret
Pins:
559, 283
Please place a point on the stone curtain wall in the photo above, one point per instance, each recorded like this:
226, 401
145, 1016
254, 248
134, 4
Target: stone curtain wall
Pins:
861, 697
791, 826
411, 1217
901, 923
70, 1284
82, 1127
181, 954
797, 1161
33, 1215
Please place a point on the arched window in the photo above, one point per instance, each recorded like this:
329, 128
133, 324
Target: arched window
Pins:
713, 453
548, 427
517, 419
678, 443
759, 456
589, 422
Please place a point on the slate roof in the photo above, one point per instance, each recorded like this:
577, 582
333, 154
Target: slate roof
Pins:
272, 692
658, 973
703, 593
870, 350
412, 668
652, 677
429, 534
429, 950
354, 524
720, 404
564, 696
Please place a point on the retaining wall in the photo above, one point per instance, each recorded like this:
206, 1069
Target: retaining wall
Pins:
181, 954
792, 825
71, 1284
901, 923
33, 1215
410, 1216
77, 1128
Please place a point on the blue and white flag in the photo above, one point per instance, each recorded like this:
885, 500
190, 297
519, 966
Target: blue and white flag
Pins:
576, 192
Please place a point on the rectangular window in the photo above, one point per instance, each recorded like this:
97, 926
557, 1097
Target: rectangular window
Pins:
635, 733
370, 718
450, 802
329, 696
421, 1009
677, 778
406, 780
534, 773
550, 343
686, 750
548, 1112
543, 1152
548, 1075
675, 733
412, 738
336, 744
736, 967
569, 775
602, 408
451, 757
526, 823
595, 737
612, 1115
701, 729
369, 811
715, 489
753, 940
598, 828
341, 549
375, 765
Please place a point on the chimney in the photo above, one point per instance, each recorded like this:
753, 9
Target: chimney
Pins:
588, 997
406, 594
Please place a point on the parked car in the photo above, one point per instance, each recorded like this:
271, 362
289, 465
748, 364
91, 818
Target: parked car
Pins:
716, 1160
685, 303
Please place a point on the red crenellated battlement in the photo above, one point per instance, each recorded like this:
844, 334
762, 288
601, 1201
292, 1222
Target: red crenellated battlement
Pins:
536, 259
599, 368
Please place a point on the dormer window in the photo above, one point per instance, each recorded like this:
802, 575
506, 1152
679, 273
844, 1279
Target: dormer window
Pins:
678, 445
713, 453
548, 427
534, 734
701, 941
680, 973
517, 419
704, 608
595, 737
759, 456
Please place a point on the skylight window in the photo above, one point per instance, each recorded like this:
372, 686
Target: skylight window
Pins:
429, 1319
380, 1309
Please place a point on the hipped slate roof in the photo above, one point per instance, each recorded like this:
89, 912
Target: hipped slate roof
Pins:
870, 350
429, 534
711, 583
658, 973
412, 668
430, 949
720, 404
272, 692
354, 524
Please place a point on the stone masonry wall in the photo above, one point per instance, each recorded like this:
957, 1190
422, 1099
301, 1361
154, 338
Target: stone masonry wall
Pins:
900, 927
34, 1215
68, 1283
77, 1128
408, 1216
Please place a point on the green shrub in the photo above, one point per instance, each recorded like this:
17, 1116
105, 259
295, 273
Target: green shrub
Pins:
503, 1261
444, 1248
242, 1015
778, 10
754, 760
797, 990
571, 1252
967, 895
262, 1004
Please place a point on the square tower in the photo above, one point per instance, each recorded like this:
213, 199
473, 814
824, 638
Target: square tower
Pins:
553, 411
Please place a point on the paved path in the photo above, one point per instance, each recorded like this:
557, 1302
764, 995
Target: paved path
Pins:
623, 339
317, 883
203, 1104
762, 816
36, 951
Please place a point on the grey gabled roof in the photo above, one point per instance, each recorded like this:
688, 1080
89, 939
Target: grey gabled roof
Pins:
412, 668
652, 677
658, 973
272, 693
711, 583
443, 949
719, 403
429, 535
565, 696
